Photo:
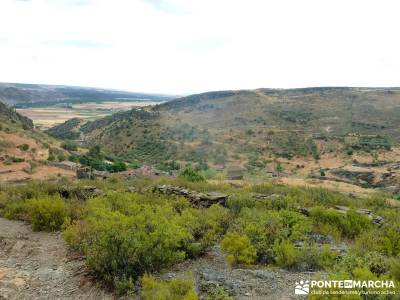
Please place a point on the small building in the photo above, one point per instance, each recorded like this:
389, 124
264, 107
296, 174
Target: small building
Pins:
235, 173
84, 173
66, 165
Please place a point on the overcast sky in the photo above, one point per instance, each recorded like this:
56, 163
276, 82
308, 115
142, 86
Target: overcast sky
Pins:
188, 46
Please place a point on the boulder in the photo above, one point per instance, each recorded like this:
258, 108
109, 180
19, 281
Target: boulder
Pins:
81, 193
131, 189
198, 199
260, 196
214, 197
377, 220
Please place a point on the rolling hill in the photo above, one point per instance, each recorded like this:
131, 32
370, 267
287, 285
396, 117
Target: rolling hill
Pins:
225, 126
27, 95
25, 152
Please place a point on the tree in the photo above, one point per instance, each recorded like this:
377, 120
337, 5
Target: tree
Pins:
279, 167
69, 145
95, 152
117, 166
192, 175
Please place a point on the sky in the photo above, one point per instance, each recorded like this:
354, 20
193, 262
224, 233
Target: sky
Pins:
192, 46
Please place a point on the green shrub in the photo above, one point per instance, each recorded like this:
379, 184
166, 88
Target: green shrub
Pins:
69, 146
191, 175
350, 224
130, 245
17, 159
76, 234
176, 289
376, 263
23, 147
123, 285
395, 269
117, 166
16, 210
168, 166
61, 157
385, 241
264, 227
125, 235
312, 257
285, 254
47, 213
205, 226
239, 249
218, 293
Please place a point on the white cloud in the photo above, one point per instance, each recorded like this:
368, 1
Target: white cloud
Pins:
185, 46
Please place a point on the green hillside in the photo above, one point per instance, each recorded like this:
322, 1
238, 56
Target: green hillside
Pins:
229, 127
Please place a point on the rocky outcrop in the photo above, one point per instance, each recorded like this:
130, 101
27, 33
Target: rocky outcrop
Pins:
198, 199
359, 177
260, 196
377, 220
81, 193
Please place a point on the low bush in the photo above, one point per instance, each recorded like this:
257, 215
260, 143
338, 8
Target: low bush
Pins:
395, 269
23, 147
117, 166
285, 254
69, 146
205, 226
385, 241
218, 293
239, 249
191, 175
313, 257
176, 289
264, 227
349, 225
17, 210
47, 213
125, 235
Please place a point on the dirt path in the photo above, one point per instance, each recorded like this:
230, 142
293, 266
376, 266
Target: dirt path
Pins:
37, 265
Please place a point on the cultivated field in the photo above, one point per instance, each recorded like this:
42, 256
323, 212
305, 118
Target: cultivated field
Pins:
46, 117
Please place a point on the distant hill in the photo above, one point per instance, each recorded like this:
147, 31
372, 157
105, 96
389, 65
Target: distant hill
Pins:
23, 95
9, 115
68, 130
253, 125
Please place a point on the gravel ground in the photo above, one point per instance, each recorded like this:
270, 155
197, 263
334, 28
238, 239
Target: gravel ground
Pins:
38, 265
253, 283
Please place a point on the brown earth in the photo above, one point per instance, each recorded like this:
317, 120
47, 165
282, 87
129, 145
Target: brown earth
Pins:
14, 140
18, 172
34, 165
